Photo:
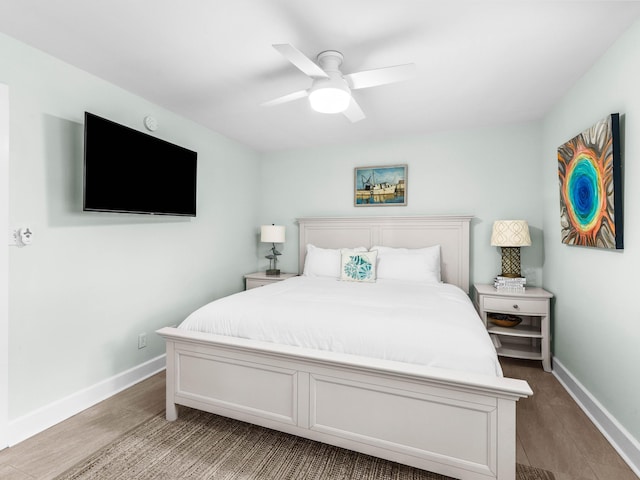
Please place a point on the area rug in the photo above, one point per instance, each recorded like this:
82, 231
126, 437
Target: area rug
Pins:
201, 445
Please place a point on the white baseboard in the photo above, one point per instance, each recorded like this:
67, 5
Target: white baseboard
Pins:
618, 436
39, 420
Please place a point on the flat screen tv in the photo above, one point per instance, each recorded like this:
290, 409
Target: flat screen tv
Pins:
127, 171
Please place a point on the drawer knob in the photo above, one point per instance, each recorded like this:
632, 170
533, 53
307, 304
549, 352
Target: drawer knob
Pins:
516, 307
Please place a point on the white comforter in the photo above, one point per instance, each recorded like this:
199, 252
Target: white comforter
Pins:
427, 324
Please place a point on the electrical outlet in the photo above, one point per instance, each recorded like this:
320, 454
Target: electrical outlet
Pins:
142, 340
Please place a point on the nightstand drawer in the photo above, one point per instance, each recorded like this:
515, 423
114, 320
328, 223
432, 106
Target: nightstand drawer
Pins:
260, 279
515, 305
253, 283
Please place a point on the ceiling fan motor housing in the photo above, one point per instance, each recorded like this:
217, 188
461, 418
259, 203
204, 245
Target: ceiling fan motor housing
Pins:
330, 60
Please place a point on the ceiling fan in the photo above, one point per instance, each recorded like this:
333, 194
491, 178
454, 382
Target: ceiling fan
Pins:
330, 91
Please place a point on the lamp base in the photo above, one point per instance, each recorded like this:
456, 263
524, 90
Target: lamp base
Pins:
511, 262
273, 271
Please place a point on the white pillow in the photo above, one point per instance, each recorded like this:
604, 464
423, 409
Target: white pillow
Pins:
412, 264
358, 266
323, 262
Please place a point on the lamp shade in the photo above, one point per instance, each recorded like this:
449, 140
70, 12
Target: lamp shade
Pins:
510, 233
272, 233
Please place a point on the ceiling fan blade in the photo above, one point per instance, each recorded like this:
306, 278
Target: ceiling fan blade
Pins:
353, 112
381, 76
286, 98
300, 60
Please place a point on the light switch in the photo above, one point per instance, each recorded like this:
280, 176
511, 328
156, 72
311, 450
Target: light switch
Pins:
20, 237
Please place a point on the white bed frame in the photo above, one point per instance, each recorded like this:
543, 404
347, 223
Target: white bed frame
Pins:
453, 423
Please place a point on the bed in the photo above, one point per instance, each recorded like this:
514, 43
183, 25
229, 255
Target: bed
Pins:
451, 421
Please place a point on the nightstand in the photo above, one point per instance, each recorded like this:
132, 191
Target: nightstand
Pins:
530, 339
260, 279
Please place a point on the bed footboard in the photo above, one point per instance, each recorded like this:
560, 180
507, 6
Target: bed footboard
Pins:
452, 423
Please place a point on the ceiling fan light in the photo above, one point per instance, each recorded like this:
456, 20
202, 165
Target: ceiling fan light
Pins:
329, 100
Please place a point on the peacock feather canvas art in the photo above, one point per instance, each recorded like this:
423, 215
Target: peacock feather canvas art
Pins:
590, 179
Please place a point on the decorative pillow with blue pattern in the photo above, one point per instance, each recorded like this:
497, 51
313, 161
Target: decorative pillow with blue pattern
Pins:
358, 266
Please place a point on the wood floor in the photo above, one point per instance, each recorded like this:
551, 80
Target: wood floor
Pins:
553, 433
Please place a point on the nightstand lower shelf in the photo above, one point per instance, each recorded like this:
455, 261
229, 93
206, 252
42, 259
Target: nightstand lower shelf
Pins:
517, 350
526, 331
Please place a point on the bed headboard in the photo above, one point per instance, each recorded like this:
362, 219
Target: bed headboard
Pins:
450, 232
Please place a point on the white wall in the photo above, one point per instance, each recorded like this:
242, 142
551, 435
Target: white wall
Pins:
491, 173
597, 314
4, 265
91, 282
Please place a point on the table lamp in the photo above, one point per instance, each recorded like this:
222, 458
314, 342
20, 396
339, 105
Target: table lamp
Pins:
272, 234
510, 235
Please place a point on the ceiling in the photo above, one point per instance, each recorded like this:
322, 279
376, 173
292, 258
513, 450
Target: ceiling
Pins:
479, 63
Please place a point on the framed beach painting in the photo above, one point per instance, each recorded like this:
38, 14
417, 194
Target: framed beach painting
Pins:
380, 186
591, 187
